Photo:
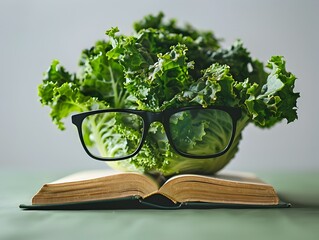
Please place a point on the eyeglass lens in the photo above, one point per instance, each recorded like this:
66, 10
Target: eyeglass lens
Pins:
201, 132
112, 134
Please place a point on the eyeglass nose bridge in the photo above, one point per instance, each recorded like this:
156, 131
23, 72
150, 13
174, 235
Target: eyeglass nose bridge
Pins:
155, 117
160, 117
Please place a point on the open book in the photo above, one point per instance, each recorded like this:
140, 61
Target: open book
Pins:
105, 189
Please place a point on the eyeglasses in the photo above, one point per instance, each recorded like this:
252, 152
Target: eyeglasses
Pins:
193, 132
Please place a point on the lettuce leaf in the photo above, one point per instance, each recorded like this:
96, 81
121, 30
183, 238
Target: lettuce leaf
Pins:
160, 66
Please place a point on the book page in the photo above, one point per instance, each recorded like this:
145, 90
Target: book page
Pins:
238, 176
235, 176
86, 175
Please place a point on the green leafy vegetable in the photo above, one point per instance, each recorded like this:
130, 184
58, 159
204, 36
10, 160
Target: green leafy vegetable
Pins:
165, 66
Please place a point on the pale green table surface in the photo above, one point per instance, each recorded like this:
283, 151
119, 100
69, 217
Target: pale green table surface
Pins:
301, 221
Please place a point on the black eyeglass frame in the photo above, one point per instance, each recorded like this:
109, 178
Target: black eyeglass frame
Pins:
162, 117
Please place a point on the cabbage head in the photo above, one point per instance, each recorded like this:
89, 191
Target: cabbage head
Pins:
161, 66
